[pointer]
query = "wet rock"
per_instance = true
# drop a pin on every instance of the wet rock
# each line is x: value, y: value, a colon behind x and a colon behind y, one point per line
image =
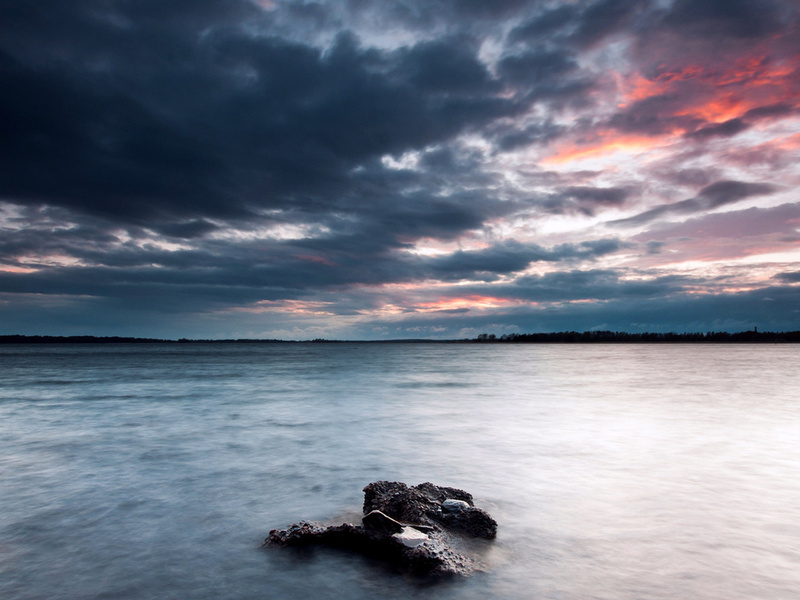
x: 424, y: 504
x: 377, y: 521
x: 414, y: 527
x: 453, y: 506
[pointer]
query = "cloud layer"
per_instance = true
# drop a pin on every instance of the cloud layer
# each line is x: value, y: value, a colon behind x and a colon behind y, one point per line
x: 363, y: 169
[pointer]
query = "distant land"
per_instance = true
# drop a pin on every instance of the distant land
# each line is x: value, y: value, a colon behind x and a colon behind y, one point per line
x: 561, y: 337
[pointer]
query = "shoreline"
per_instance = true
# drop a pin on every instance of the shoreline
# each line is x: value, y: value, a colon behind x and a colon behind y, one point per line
x: 563, y: 337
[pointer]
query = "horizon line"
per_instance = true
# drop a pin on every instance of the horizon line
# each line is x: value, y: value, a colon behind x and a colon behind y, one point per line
x: 537, y: 337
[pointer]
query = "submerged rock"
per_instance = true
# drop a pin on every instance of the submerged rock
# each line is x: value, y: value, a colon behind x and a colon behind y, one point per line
x: 414, y: 527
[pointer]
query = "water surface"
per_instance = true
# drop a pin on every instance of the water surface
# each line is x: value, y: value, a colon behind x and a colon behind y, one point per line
x: 615, y: 472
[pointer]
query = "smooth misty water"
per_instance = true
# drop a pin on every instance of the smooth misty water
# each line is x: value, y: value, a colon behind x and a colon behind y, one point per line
x: 615, y: 472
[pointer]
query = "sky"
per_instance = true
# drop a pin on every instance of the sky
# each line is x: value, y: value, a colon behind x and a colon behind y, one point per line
x: 364, y: 169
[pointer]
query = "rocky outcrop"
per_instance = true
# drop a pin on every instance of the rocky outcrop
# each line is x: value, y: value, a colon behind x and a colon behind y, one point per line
x: 414, y: 527
x: 428, y: 504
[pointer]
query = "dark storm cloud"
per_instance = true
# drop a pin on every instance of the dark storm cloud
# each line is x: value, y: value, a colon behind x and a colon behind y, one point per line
x: 219, y: 275
x: 584, y: 200
x: 95, y: 150
x: 602, y: 196
x: 725, y: 192
x: 735, y: 126
x: 576, y: 285
x: 579, y: 24
x: 534, y: 67
x: 604, y: 18
x: 545, y: 24
x: 362, y: 251
x: 444, y: 65
x: 654, y: 116
x: 791, y: 277
x: 683, y: 207
x: 546, y: 77
x: 425, y: 217
x: 183, y: 116
x: 450, y: 160
x: 744, y: 19
x: 590, y: 285
x: 186, y: 229
x: 169, y: 291
x: 511, y: 256
x: 431, y: 13
x: 712, y: 196
x: 489, y: 264
x: 542, y: 56
x: 238, y: 273
x: 726, y: 129
x: 512, y: 138
x: 770, y: 111
x: 480, y: 8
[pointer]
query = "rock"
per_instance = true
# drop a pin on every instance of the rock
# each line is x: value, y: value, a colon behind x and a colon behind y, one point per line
x: 377, y: 521
x: 409, y: 526
x: 417, y: 504
x: 423, y: 504
x: 410, y: 537
x: 453, y: 506
x: 422, y: 528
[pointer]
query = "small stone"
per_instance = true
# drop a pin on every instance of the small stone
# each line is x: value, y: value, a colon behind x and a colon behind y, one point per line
x: 453, y: 506
x: 410, y: 537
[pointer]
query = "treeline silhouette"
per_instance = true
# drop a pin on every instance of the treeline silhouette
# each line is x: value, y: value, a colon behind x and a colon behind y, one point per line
x: 622, y: 337
x: 90, y: 339
x: 562, y: 337
x: 73, y: 339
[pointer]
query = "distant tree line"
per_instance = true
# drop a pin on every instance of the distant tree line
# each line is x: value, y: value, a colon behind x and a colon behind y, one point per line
x: 563, y: 337
x: 622, y: 337
x: 91, y: 339
x: 74, y: 339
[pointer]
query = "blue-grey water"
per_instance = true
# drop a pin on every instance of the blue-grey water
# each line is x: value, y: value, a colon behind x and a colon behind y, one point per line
x: 615, y: 472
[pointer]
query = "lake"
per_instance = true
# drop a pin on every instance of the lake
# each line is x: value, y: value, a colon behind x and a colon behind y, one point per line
x: 615, y: 472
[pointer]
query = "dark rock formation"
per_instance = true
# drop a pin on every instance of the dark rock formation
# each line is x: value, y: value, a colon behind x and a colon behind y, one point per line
x: 410, y: 526
x: 423, y: 504
x: 379, y: 522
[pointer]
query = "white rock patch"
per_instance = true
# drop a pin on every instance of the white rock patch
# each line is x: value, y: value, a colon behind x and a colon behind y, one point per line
x: 410, y: 537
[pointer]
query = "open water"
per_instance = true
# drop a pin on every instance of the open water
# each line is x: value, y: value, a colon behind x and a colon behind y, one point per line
x: 615, y: 472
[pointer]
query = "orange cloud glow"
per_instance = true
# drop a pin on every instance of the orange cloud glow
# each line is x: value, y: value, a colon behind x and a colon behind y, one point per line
x: 719, y: 109
x: 13, y: 269
x: 635, y: 87
x: 609, y: 142
x: 471, y: 301
x: 723, y: 94
x: 297, y: 307
x: 791, y: 142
